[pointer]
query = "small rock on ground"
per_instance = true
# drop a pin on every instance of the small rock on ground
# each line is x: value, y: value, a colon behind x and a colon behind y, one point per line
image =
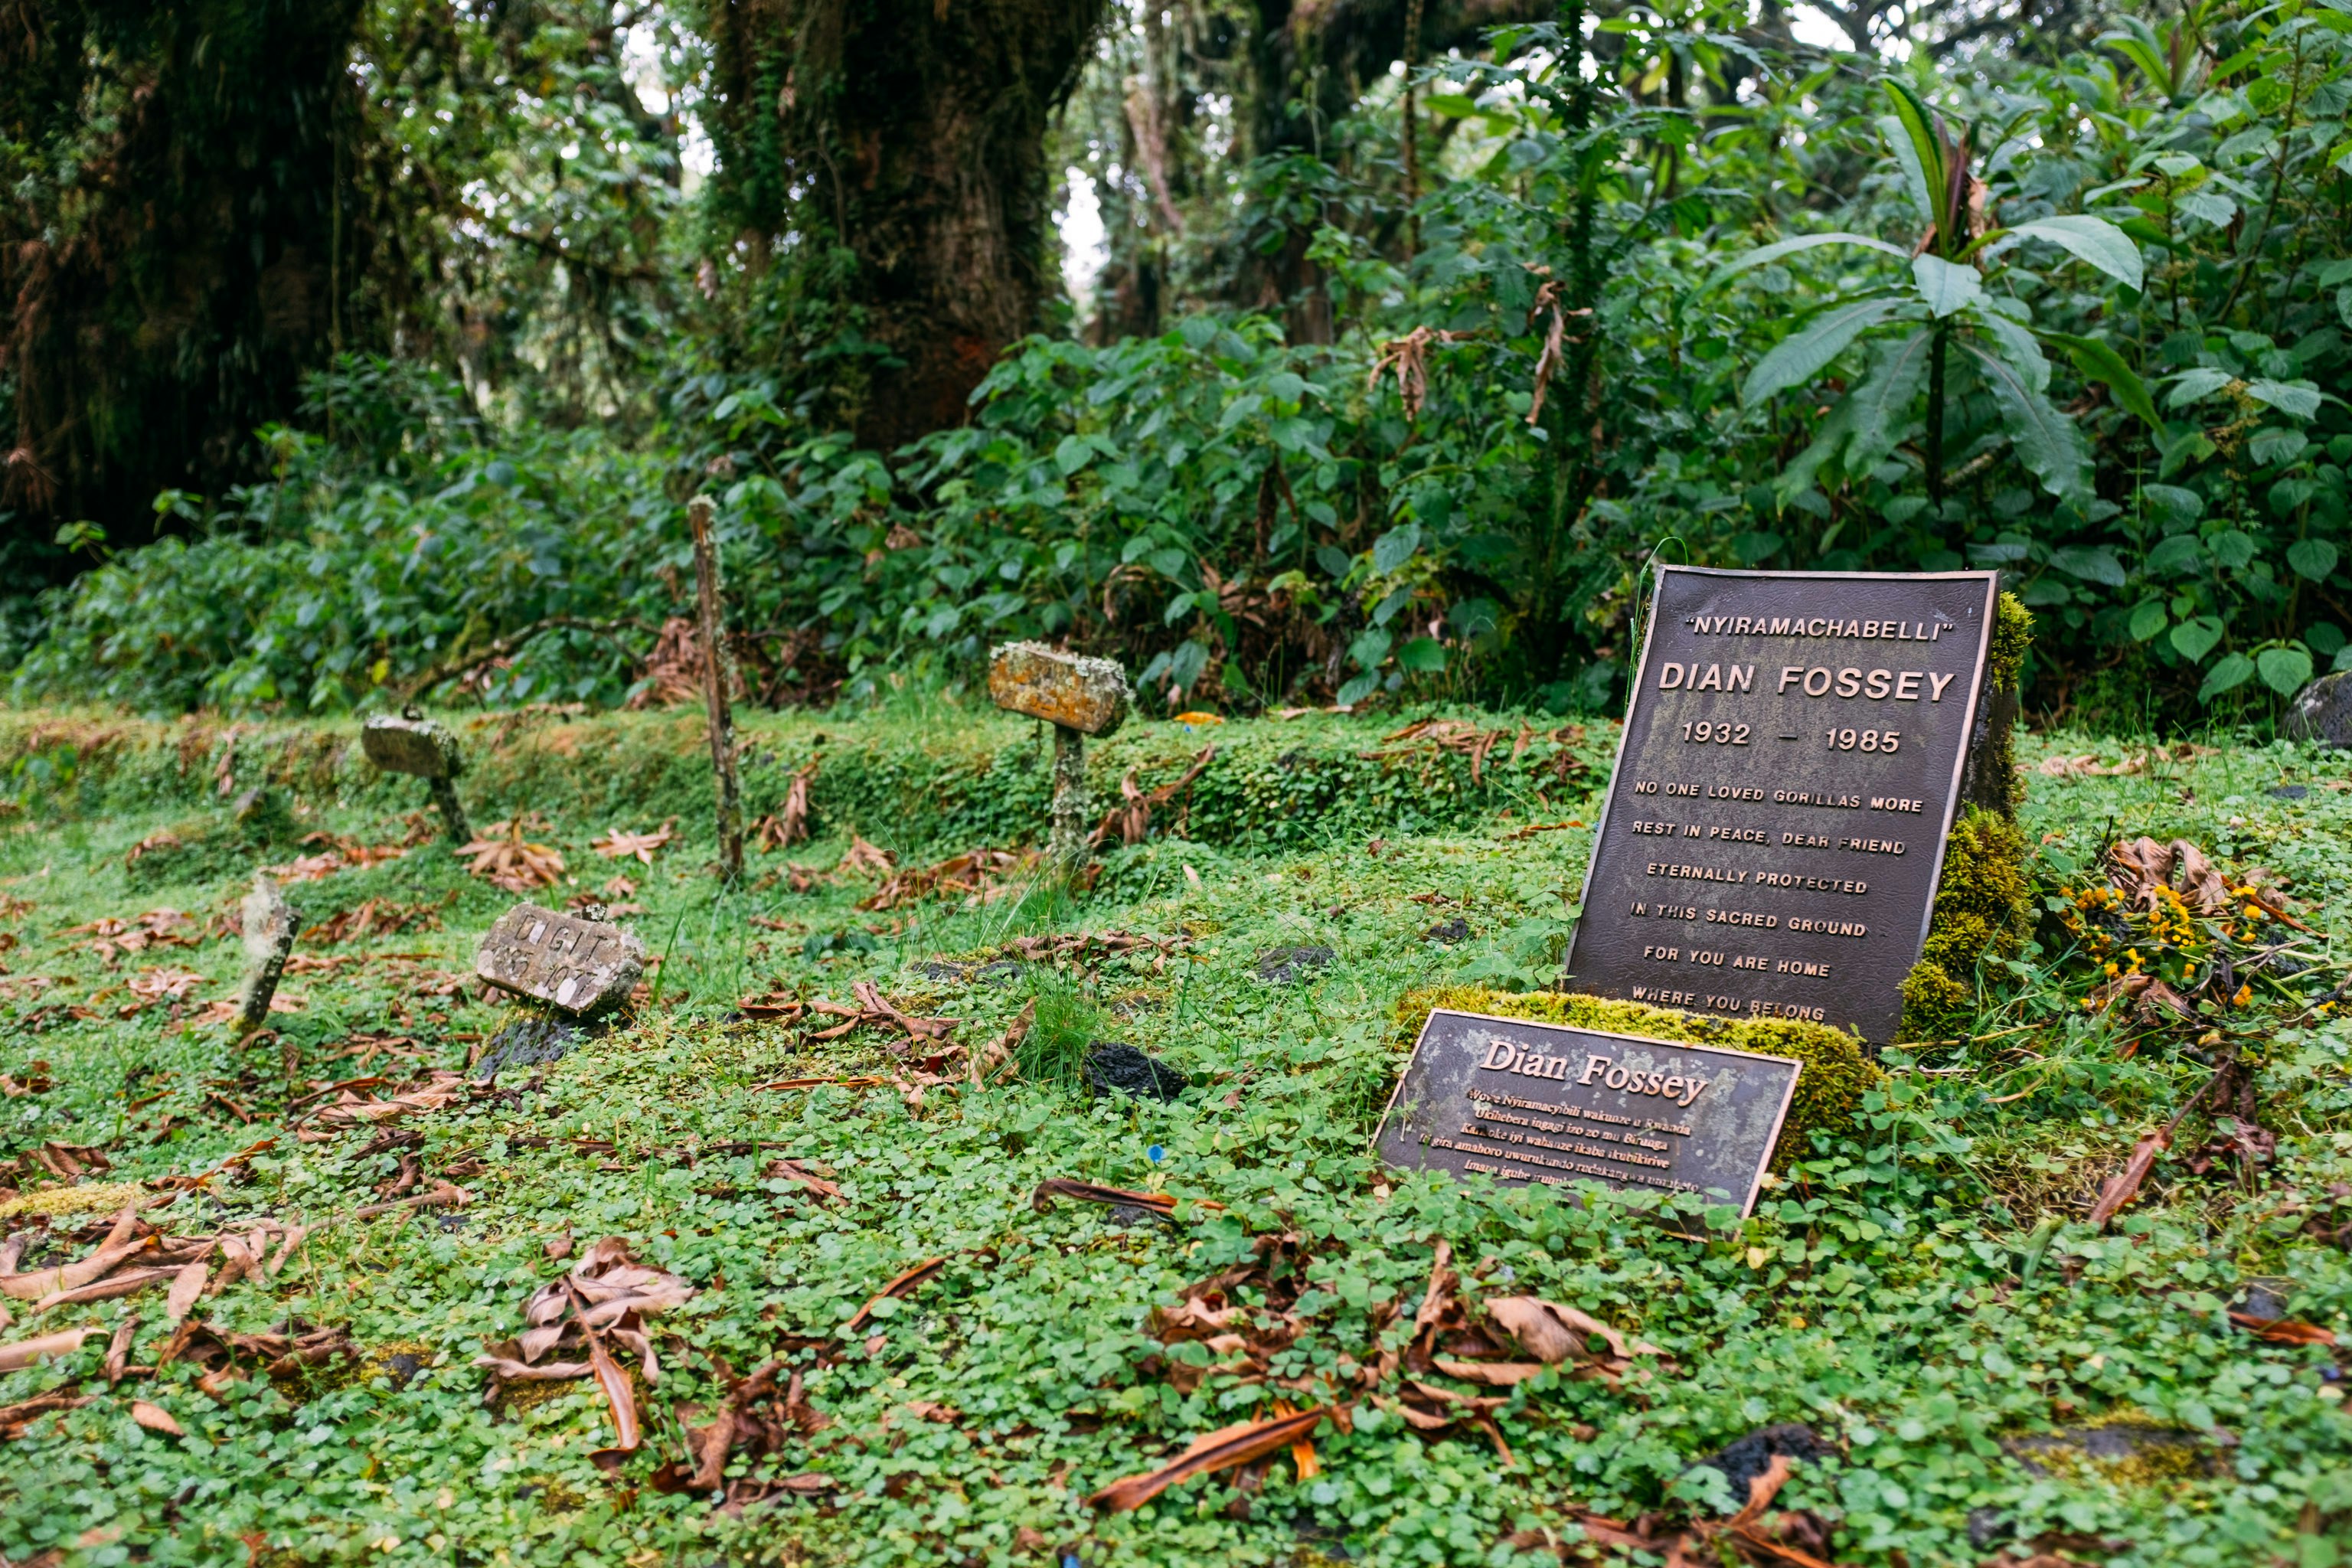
x: 1109, y: 1066
x: 1284, y: 965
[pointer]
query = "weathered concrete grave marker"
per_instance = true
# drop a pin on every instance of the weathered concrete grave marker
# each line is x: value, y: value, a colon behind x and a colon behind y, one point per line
x: 1079, y: 697
x: 1792, y: 766
x: 419, y: 747
x: 1528, y: 1102
x: 268, y: 922
x: 577, y: 965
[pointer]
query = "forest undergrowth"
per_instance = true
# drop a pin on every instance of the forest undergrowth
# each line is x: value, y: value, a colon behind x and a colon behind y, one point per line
x: 896, y: 1290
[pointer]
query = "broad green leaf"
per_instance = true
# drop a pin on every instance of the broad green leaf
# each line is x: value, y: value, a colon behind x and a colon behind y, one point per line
x: 2016, y: 343
x: 2047, y: 442
x: 1370, y: 647
x: 1239, y: 409
x: 2098, y: 361
x: 2197, y: 636
x: 2298, y: 398
x: 2233, y: 547
x: 1422, y: 656
x: 1394, y: 548
x: 2171, y: 503
x: 2092, y: 563
x: 1880, y: 408
x: 2232, y: 671
x: 1947, y: 286
x: 1766, y: 253
x: 2148, y: 620
x: 2285, y: 670
x: 1918, y: 145
x: 2192, y: 385
x: 2091, y: 239
x: 2313, y: 558
x: 2275, y: 445
x: 1829, y: 435
x: 2210, y: 207
x: 1072, y: 455
x: 1804, y: 353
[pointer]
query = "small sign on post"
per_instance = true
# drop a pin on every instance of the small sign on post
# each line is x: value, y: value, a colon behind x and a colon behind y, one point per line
x: 718, y: 681
x: 416, y: 746
x: 578, y: 965
x: 1079, y: 697
x: 1525, y: 1102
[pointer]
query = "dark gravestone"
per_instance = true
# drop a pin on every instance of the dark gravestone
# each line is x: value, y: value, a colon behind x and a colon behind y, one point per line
x: 1792, y: 765
x: 580, y: 966
x: 2322, y: 712
x: 1523, y: 1101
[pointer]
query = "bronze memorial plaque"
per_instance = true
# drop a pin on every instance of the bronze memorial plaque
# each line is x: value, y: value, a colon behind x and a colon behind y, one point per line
x: 1524, y: 1102
x: 1775, y: 827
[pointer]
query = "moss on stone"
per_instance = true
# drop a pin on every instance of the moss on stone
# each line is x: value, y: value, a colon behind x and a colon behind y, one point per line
x: 2012, y: 639
x: 1984, y: 903
x: 1984, y: 908
x: 1828, y: 1091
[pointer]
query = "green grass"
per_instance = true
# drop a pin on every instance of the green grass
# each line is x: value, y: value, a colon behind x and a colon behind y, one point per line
x: 1925, y: 1297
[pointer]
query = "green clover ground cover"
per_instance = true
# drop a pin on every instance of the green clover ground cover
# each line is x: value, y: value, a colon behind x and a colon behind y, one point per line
x: 1926, y: 1296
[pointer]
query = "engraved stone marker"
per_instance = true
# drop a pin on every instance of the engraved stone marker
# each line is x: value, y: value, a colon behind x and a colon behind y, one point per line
x: 1089, y: 695
x: 1525, y: 1101
x: 1792, y: 765
x: 269, y: 922
x: 421, y: 749
x: 1079, y: 697
x: 582, y: 966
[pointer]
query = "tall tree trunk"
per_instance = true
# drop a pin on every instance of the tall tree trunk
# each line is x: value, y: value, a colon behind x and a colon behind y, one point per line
x: 907, y: 138
x: 176, y: 309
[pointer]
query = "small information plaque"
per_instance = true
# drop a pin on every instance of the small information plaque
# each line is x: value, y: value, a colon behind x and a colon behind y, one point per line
x: 583, y: 966
x: 1775, y: 828
x: 1523, y: 1101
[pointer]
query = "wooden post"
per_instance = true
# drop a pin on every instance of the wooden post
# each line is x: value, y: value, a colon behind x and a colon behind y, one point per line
x: 1067, y: 846
x: 718, y: 672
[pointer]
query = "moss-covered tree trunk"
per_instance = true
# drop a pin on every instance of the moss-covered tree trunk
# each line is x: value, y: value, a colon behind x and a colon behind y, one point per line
x: 906, y: 139
x: 169, y: 245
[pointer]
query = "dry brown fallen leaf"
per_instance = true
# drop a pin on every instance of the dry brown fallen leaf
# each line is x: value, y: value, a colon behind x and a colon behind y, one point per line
x: 107, y: 1290
x: 620, y: 843
x: 906, y: 1282
x: 501, y: 855
x: 186, y: 1286
x: 25, y: 1352
x: 1218, y: 1450
x: 120, y: 1242
x: 155, y: 1418
x: 2125, y: 1184
x: 118, y: 1349
x: 2284, y: 1330
x: 15, y: 1419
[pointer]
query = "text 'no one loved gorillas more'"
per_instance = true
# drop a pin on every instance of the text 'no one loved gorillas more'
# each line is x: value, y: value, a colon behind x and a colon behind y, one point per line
x: 1776, y: 825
